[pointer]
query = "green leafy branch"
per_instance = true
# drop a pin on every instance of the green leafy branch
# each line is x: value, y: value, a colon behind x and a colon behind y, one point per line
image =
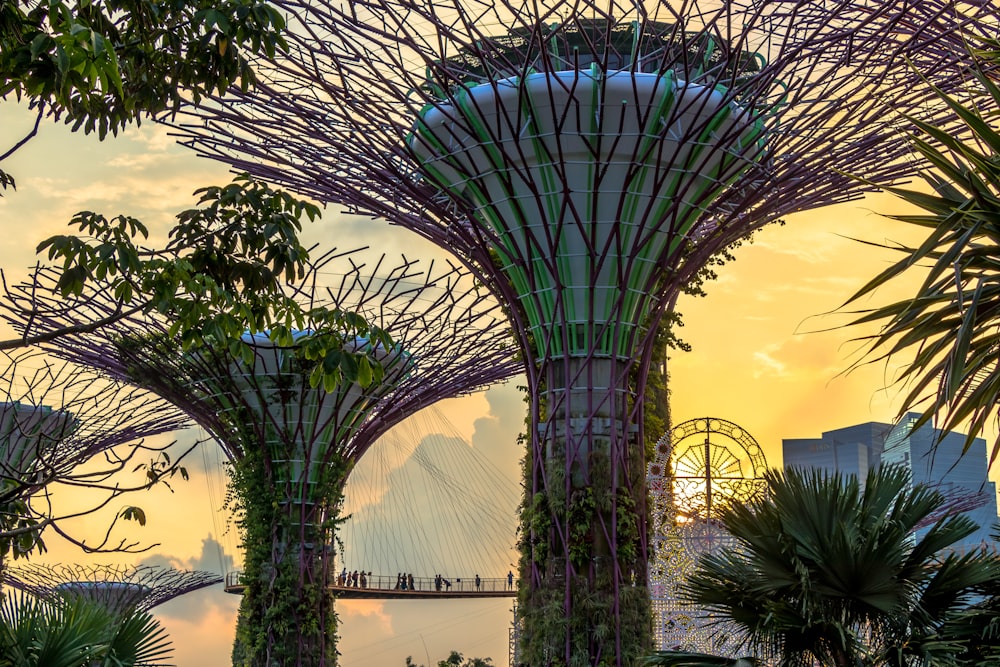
x: 223, y: 273
x: 103, y: 65
x: 951, y: 325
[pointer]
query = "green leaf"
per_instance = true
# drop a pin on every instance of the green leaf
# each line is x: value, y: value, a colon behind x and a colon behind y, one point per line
x: 134, y: 514
x: 364, y: 371
x: 947, y: 328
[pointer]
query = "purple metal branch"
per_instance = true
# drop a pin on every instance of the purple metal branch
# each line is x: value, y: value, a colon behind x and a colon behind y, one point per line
x: 449, y: 338
x: 330, y: 118
x: 54, y: 417
x: 956, y: 500
x: 121, y: 589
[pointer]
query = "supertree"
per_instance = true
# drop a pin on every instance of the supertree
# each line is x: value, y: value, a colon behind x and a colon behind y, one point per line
x: 120, y: 589
x: 63, y: 426
x: 293, y: 444
x: 587, y: 160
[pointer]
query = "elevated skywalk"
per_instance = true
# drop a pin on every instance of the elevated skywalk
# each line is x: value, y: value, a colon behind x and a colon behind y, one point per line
x: 389, y: 587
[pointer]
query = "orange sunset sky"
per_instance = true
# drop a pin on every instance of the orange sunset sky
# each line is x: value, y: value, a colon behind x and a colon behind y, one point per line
x: 764, y: 356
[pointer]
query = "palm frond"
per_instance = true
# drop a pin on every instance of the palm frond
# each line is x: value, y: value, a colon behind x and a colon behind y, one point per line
x: 825, y: 568
x: 951, y: 326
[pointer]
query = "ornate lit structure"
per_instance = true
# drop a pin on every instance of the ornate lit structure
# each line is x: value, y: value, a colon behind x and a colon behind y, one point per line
x: 699, y: 467
x: 293, y: 445
x: 120, y: 589
x: 586, y: 160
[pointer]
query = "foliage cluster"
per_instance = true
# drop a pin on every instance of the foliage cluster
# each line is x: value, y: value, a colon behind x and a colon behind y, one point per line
x: 20, y: 532
x: 454, y: 659
x: 104, y: 65
x: 223, y: 273
x: 949, y: 326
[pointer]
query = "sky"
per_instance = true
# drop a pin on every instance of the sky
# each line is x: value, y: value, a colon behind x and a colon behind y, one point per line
x: 766, y: 355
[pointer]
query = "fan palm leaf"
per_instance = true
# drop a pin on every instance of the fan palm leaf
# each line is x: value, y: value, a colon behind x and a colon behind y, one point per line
x: 36, y: 633
x: 77, y: 632
x: 978, y: 627
x: 827, y: 569
x: 138, y: 640
x: 688, y: 659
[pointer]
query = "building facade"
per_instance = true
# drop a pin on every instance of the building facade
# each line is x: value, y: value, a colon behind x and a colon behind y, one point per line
x: 932, y: 458
x: 853, y: 450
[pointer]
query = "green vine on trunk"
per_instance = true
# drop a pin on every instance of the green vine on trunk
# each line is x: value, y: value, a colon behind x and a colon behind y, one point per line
x: 285, y: 618
x: 582, y: 514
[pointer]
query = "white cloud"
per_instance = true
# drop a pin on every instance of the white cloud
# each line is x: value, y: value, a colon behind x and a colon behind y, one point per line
x: 201, y: 603
x: 765, y: 364
x: 369, y: 612
x: 136, y: 162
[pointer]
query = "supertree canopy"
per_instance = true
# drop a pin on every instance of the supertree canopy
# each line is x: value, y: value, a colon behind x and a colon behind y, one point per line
x: 122, y: 590
x: 293, y: 444
x: 65, y: 426
x: 586, y: 160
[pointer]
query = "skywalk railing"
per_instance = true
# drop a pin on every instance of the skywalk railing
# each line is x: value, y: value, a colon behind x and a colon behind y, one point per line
x: 416, y: 585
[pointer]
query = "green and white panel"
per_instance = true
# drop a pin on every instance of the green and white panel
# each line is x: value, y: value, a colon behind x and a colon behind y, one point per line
x: 27, y: 433
x: 589, y: 180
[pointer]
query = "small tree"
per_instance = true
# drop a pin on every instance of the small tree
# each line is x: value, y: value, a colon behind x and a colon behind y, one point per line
x: 454, y: 659
x: 222, y: 274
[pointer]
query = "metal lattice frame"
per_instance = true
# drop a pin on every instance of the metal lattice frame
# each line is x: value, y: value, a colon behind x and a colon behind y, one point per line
x: 121, y: 589
x: 586, y: 160
x: 54, y: 418
x: 699, y: 467
x: 450, y: 339
x: 513, y: 638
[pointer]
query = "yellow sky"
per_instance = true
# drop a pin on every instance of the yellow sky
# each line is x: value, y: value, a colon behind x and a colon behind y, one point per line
x: 754, y: 362
x: 768, y: 354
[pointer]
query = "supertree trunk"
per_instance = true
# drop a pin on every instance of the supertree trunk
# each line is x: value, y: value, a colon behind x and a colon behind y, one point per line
x: 287, y: 614
x: 289, y: 491
x: 585, y: 567
x: 587, y: 160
